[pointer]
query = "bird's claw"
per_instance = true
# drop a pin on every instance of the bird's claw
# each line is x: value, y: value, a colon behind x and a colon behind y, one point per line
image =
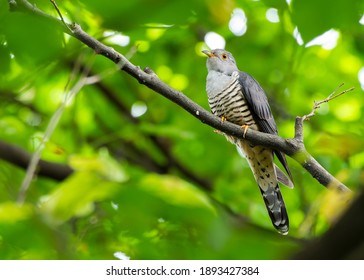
x: 223, y: 119
x: 245, y: 127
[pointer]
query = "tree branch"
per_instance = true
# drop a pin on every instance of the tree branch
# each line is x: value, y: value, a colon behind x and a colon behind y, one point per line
x: 20, y: 157
x: 326, y: 100
x: 292, y: 147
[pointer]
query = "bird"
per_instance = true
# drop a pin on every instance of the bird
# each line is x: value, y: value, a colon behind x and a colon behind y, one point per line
x: 235, y: 96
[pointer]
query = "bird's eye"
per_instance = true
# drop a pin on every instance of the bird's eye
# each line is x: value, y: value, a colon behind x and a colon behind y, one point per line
x: 224, y: 56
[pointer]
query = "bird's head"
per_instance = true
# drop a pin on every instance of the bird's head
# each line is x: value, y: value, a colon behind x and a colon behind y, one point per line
x: 221, y: 61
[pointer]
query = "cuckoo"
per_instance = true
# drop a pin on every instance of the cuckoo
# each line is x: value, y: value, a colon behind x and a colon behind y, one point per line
x: 237, y: 97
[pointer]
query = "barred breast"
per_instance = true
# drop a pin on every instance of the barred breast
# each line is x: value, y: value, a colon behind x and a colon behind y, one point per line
x: 231, y: 104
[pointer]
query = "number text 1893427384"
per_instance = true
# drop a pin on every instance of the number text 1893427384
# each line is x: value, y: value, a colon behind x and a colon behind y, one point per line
x: 232, y: 270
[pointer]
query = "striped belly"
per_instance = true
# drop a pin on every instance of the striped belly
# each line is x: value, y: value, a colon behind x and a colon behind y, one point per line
x: 231, y: 104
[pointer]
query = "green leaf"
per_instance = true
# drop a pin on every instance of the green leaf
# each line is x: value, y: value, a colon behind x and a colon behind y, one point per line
x: 163, y: 12
x: 11, y: 212
x: 314, y: 17
x: 76, y: 196
x: 32, y: 40
x: 176, y: 191
x: 102, y: 164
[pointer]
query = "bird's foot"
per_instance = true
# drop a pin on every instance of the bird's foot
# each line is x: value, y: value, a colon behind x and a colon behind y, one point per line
x: 245, y: 127
x: 223, y: 119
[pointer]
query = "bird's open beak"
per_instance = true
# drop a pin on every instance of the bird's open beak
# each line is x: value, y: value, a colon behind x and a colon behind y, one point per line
x: 208, y: 53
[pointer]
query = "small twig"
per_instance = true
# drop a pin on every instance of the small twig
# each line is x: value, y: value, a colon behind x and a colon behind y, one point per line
x: 299, y: 120
x: 36, y: 157
x: 60, y: 14
x: 57, y: 9
x: 326, y: 100
x: 309, y: 163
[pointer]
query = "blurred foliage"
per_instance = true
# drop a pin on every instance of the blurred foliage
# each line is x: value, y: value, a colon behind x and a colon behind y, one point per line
x: 143, y: 166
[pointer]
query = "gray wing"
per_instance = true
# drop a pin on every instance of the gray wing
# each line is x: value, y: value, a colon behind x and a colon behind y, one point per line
x: 258, y: 103
x: 259, y: 106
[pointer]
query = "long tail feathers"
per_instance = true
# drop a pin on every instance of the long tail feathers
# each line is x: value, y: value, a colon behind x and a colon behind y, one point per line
x: 276, y: 209
x: 282, y: 158
x: 267, y: 176
x: 281, y: 177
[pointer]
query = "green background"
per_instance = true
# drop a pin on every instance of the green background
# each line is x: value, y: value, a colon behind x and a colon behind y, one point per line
x: 164, y: 185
